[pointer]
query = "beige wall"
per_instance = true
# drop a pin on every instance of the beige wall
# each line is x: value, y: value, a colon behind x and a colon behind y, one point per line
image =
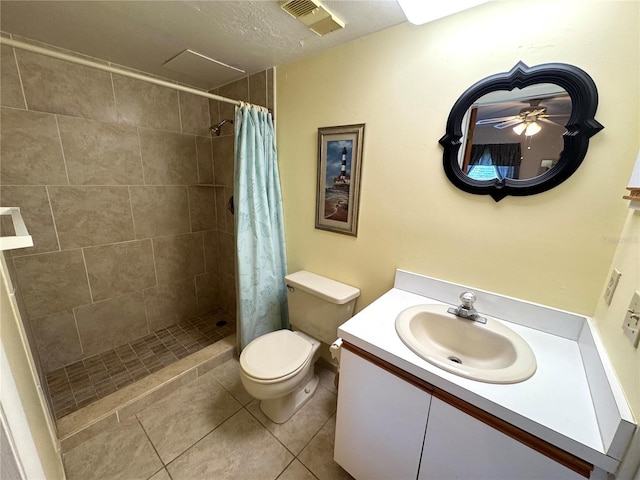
x: 624, y: 357
x: 553, y: 248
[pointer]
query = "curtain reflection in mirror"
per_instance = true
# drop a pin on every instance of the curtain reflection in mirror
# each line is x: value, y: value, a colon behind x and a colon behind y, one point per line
x: 494, y: 161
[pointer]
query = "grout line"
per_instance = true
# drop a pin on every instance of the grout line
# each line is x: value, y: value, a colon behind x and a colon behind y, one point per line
x: 180, y: 112
x: 64, y: 159
x: 144, y: 181
x: 24, y: 95
x: 133, y: 221
x: 86, y: 272
x: 197, y: 161
x: 75, y: 321
x: 150, y: 442
x: 113, y: 90
x: 189, y: 209
x: 53, y: 219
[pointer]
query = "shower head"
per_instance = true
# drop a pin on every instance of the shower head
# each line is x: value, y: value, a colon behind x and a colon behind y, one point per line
x: 217, y: 129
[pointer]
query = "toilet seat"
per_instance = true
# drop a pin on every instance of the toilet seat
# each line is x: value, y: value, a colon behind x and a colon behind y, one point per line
x: 276, y: 356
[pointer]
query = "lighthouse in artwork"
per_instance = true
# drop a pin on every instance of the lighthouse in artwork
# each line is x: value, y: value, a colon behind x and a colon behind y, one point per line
x: 342, y: 182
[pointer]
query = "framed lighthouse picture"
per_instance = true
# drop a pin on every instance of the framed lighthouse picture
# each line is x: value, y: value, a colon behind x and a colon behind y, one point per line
x: 339, y: 167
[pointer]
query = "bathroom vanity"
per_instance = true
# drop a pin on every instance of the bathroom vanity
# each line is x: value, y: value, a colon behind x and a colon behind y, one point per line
x: 402, y: 417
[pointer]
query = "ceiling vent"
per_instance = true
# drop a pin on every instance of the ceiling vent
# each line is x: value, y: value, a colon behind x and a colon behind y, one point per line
x: 313, y: 14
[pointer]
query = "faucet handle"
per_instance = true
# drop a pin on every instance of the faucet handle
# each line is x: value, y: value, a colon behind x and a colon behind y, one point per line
x: 467, y: 299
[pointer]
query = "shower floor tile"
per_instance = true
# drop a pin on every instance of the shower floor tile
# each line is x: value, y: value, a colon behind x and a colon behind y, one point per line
x: 78, y: 384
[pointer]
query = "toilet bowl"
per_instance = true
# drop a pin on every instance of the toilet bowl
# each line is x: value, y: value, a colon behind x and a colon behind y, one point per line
x: 278, y: 368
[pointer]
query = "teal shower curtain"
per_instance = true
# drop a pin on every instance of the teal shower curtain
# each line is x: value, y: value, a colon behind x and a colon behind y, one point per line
x: 260, y: 248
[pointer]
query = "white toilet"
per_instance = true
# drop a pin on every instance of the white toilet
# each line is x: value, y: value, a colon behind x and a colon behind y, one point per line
x: 277, y: 368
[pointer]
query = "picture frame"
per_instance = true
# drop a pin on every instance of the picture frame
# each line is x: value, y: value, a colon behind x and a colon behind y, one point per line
x: 338, y: 185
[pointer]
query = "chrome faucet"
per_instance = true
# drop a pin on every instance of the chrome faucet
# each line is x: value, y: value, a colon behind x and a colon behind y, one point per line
x: 466, y: 310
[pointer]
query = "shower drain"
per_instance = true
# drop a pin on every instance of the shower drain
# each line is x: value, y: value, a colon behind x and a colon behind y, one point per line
x: 454, y: 359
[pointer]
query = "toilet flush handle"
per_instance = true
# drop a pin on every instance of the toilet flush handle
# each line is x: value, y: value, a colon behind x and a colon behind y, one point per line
x: 291, y: 289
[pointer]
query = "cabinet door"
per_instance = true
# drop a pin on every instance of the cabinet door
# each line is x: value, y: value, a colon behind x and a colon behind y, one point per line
x: 380, y: 422
x: 459, y: 446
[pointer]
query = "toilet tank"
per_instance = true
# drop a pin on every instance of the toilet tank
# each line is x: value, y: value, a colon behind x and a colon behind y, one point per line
x: 319, y: 305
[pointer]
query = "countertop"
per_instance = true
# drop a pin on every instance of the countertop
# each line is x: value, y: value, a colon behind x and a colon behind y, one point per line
x: 555, y: 404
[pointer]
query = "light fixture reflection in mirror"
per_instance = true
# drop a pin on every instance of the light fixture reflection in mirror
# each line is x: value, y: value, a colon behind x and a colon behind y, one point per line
x: 506, y: 122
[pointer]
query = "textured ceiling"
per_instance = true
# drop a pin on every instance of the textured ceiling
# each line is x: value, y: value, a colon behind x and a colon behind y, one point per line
x: 249, y: 35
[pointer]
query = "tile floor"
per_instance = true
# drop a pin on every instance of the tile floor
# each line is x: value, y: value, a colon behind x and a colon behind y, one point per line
x: 81, y: 383
x: 212, y: 429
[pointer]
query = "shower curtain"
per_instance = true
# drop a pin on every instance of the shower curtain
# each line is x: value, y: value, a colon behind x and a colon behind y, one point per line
x: 260, y: 248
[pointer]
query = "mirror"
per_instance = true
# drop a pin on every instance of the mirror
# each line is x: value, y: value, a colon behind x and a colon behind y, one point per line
x: 521, y: 132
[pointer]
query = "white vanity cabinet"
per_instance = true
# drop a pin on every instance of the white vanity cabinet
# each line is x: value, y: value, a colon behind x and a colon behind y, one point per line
x: 390, y: 426
x: 457, y: 445
x: 380, y: 422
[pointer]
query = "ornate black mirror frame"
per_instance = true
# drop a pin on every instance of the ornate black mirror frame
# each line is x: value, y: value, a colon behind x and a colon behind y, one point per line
x: 580, y: 127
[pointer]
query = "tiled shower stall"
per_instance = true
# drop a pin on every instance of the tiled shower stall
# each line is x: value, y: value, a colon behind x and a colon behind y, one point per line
x: 125, y: 193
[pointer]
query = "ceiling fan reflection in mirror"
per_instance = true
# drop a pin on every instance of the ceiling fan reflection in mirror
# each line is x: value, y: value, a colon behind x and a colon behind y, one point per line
x: 526, y: 121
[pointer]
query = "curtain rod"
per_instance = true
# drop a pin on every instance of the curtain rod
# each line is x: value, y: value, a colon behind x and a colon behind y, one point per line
x: 119, y: 71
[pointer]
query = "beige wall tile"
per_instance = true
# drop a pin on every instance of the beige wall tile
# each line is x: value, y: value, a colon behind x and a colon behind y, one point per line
x: 11, y: 91
x: 170, y: 303
x: 202, y: 206
x: 179, y: 256
x: 36, y: 212
x: 56, y: 86
x: 146, y: 105
x: 120, y: 268
x: 211, y: 250
x: 107, y: 324
x: 223, y: 160
x: 52, y: 282
x: 194, y: 113
x: 226, y: 253
x: 30, y: 149
x: 168, y: 158
x: 221, y: 206
x: 87, y: 216
x: 258, y: 88
x: 238, y: 90
x: 224, y: 218
x: 159, y: 211
x: 214, y: 109
x: 100, y: 153
x: 228, y: 293
x: 208, y: 292
x: 205, y: 159
x: 57, y: 340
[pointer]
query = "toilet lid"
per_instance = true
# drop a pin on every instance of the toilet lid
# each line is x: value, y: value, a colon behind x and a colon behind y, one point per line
x: 274, y: 355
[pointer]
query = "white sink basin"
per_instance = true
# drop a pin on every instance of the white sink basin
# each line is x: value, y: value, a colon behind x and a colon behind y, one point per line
x: 490, y: 352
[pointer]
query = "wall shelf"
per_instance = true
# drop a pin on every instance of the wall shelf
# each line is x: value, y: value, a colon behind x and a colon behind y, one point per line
x: 22, y: 238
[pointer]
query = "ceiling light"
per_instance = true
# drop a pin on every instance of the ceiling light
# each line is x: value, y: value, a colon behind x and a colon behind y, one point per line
x: 419, y: 11
x: 532, y: 129
x: 520, y: 128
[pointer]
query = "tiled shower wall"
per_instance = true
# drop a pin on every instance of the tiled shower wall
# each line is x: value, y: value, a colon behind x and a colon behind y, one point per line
x: 124, y: 191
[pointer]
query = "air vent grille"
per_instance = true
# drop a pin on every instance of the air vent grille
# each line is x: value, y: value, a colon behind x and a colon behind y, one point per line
x: 299, y: 8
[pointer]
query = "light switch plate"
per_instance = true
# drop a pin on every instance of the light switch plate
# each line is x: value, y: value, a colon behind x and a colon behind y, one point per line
x: 631, y: 324
x: 611, y: 285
